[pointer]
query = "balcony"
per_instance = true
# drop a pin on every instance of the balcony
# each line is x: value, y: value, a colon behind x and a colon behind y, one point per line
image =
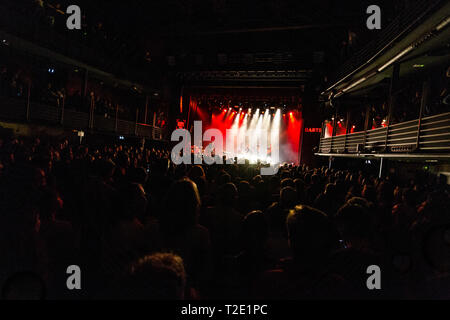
x: 428, y: 137
x: 21, y: 111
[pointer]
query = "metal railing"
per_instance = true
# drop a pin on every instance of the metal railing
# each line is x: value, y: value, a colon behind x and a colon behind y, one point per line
x: 18, y: 110
x: 430, y: 134
x: 399, y: 25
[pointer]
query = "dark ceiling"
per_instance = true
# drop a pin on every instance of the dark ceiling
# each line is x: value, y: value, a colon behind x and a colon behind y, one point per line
x: 145, y: 40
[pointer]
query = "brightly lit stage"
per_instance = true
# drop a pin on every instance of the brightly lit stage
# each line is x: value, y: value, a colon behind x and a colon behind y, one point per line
x: 281, y: 126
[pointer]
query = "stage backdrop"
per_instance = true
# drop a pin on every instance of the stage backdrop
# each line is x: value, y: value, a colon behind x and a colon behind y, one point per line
x: 289, y: 124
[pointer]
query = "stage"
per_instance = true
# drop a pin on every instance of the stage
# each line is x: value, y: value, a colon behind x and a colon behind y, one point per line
x: 265, y: 132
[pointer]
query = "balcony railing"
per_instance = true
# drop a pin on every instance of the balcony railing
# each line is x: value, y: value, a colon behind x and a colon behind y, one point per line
x: 17, y: 110
x: 429, y: 134
x: 388, y: 34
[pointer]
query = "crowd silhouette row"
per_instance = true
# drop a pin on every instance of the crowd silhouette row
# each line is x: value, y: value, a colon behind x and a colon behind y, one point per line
x: 139, y: 226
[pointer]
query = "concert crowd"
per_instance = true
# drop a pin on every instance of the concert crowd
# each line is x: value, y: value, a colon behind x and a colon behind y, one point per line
x: 140, y: 227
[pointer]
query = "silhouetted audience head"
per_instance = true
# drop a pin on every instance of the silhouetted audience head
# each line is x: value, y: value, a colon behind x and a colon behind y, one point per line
x: 137, y: 175
x: 159, y: 276
x: 49, y: 205
x: 311, y: 234
x: 409, y: 197
x: 24, y: 286
x: 288, y: 197
x: 369, y: 193
x: 182, y: 206
x: 134, y: 202
x: 330, y: 190
x: 385, y: 193
x: 228, y: 194
x: 196, y: 172
x: 436, y: 247
x: 223, y: 179
x: 123, y: 159
x: 256, y: 179
x: 105, y: 168
x: 287, y: 182
x: 354, y: 224
x: 254, y: 231
x: 244, y: 189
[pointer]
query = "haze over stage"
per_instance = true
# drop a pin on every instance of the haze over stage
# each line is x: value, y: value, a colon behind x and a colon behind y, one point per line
x: 265, y: 134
